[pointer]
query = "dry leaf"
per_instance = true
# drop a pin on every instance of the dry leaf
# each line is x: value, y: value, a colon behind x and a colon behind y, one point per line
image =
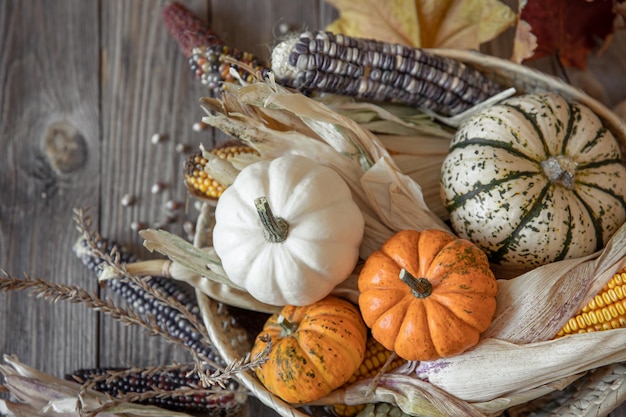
x: 392, y: 21
x: 461, y: 24
x: 458, y: 24
x: 570, y: 29
x: 524, y: 43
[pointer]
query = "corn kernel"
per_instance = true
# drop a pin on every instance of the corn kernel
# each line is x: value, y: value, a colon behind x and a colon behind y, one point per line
x: 376, y: 357
x: 606, y: 311
x: 201, y: 184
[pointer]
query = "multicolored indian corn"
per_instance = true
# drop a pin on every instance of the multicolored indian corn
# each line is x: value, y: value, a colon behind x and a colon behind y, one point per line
x: 606, y: 311
x: 201, y: 184
x: 369, y: 69
x: 212, y: 65
x: 119, y: 382
x: 334, y: 63
x: 143, y: 303
x: 209, y: 59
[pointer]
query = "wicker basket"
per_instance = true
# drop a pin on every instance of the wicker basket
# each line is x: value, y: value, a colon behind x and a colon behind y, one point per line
x: 596, y: 394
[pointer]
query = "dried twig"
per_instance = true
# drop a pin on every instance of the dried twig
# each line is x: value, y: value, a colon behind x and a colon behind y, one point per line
x: 53, y: 292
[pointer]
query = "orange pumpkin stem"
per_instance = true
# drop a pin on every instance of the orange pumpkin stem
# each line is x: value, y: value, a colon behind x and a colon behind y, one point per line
x: 287, y: 327
x: 420, y: 287
x: 275, y: 228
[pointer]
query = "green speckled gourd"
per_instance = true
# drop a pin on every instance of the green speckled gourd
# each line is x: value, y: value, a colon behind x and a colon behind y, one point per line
x: 534, y: 180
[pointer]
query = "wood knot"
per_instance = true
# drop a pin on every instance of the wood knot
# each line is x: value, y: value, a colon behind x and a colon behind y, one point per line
x: 65, y: 147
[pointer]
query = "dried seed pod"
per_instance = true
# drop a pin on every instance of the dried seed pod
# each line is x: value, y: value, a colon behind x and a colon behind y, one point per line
x: 379, y: 71
x: 198, y: 182
x: 119, y: 382
x: 144, y: 303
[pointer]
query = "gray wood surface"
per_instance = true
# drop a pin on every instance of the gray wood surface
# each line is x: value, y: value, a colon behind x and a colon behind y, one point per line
x: 84, y: 85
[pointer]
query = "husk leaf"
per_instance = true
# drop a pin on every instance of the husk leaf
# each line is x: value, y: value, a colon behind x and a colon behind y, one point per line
x: 40, y: 394
x: 496, y: 368
x: 415, y: 397
x: 537, y: 304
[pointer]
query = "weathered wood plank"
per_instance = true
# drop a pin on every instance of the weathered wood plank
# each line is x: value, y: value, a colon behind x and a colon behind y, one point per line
x: 49, y: 136
x: 147, y: 89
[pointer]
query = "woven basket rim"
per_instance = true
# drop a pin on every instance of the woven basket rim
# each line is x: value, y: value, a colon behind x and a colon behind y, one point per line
x: 525, y: 80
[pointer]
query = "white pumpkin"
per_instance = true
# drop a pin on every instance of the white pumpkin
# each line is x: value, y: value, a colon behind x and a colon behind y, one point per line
x: 534, y: 180
x: 288, y: 230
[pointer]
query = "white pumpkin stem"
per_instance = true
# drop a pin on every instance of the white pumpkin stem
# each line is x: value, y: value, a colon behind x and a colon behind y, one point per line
x: 560, y: 170
x: 420, y: 287
x: 276, y: 229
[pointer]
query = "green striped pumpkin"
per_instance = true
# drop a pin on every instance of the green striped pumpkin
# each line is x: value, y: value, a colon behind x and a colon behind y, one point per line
x: 534, y: 180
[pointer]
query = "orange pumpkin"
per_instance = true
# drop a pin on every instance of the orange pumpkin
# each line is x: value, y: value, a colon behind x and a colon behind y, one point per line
x: 315, y: 349
x: 427, y: 295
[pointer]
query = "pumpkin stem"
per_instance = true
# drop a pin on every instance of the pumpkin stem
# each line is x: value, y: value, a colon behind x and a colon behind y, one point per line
x: 288, y: 328
x: 560, y: 170
x: 420, y: 287
x: 276, y: 229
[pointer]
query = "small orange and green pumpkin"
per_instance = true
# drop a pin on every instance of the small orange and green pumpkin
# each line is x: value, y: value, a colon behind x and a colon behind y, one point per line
x: 427, y: 295
x: 314, y: 349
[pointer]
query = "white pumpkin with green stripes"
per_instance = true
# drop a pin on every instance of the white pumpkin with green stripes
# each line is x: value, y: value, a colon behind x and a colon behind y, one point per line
x: 534, y: 180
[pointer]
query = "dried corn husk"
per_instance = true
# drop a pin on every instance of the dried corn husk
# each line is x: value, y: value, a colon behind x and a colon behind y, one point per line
x: 258, y: 116
x: 40, y: 394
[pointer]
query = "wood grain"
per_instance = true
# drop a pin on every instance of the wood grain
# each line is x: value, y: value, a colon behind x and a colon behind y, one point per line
x: 84, y: 85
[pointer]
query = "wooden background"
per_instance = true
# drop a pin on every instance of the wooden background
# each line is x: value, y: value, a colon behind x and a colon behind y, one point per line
x: 84, y: 85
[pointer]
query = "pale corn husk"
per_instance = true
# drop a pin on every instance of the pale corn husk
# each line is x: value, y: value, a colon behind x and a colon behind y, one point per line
x: 38, y: 394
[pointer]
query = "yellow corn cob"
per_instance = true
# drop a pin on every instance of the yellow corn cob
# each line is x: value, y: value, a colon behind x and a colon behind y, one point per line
x: 376, y: 357
x: 606, y: 311
x: 201, y: 184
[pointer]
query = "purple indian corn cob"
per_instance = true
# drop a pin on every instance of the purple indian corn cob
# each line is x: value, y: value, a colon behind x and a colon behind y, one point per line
x: 119, y: 382
x: 379, y: 71
x: 334, y: 63
x: 144, y: 303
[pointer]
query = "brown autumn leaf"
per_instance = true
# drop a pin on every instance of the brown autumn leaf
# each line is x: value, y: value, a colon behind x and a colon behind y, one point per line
x: 569, y: 29
x: 458, y: 24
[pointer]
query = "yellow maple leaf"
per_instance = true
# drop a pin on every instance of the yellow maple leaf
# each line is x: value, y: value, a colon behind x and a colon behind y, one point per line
x: 393, y: 21
x: 458, y: 24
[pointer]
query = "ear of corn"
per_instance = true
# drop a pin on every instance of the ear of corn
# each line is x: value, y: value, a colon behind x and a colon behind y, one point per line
x: 119, y: 382
x: 199, y: 183
x: 209, y: 59
x: 334, y: 63
x: 143, y: 303
x: 376, y: 357
x: 188, y: 30
x: 606, y: 311
x: 379, y: 71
